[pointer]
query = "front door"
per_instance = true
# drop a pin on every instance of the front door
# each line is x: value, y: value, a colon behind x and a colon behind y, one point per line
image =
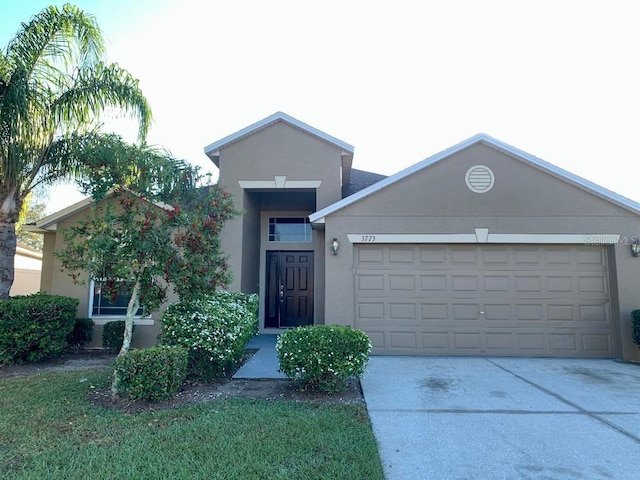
x: 289, y: 293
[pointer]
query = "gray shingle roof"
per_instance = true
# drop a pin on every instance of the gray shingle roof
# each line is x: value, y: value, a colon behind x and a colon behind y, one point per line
x: 360, y: 180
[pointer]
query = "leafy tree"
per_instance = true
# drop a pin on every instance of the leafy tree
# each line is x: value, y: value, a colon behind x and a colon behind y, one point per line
x: 155, y: 223
x: 33, y: 208
x: 53, y: 83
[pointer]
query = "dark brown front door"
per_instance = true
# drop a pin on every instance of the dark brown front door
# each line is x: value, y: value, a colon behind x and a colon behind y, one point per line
x: 289, y: 295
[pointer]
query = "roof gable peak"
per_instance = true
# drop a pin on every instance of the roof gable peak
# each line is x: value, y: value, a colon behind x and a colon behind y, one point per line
x: 213, y: 150
x: 490, y: 141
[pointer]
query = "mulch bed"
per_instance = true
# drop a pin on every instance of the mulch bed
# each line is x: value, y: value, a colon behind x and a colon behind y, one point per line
x: 262, y: 389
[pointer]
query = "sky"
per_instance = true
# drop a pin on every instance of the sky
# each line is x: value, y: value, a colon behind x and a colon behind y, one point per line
x: 400, y: 80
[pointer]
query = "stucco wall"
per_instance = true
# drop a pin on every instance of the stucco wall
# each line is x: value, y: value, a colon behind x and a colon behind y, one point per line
x: 524, y: 199
x: 277, y: 150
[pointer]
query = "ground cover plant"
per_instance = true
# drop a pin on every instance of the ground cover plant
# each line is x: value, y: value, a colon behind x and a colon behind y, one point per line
x: 51, y: 430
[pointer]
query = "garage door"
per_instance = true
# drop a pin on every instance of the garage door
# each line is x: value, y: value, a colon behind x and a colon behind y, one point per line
x: 502, y: 300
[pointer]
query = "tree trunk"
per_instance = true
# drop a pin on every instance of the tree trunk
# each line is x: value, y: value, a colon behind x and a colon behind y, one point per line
x: 132, y: 308
x: 7, y: 255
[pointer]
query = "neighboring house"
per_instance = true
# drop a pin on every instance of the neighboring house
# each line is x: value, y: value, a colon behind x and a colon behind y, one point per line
x: 27, y: 266
x: 481, y: 249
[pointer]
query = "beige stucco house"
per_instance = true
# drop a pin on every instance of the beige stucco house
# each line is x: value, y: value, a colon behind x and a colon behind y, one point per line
x: 482, y: 249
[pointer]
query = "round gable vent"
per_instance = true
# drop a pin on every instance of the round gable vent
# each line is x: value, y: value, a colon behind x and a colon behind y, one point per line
x: 479, y: 179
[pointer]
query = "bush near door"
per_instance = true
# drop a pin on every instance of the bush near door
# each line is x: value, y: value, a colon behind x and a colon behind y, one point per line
x: 215, y: 329
x: 323, y: 356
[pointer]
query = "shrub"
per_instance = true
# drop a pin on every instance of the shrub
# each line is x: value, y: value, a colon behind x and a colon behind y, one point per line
x: 113, y: 335
x: 152, y: 373
x: 323, y: 356
x: 635, y: 326
x: 81, y: 334
x: 215, y: 330
x: 34, y: 326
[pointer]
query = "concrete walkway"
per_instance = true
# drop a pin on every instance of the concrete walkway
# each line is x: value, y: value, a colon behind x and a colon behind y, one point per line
x: 263, y: 363
x: 505, y: 418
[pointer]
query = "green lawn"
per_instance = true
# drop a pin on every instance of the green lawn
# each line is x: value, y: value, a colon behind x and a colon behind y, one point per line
x: 49, y: 430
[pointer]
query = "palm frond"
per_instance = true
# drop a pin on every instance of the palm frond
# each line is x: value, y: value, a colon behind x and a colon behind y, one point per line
x: 100, y: 87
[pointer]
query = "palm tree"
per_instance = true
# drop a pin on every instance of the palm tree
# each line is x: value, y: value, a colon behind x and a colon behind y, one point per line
x: 53, y: 87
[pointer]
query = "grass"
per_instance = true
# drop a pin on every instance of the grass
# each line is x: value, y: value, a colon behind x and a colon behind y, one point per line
x: 49, y: 429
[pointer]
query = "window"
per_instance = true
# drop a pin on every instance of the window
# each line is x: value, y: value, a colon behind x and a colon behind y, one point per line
x: 108, y: 305
x: 289, y: 229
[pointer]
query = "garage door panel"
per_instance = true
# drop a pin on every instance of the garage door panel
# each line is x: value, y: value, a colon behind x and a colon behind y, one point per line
x: 595, y: 313
x: 496, y: 256
x: 371, y: 283
x: 525, y: 313
x: 563, y: 342
x: 464, y: 283
x: 436, y: 341
x: 432, y: 312
x: 496, y: 284
x: 529, y: 284
x: 592, y: 285
x: 402, y: 256
x: 559, y: 256
x: 368, y: 312
x: 431, y: 255
x: 402, y: 283
x: 596, y: 343
x: 499, y: 341
x: 531, y: 343
x: 589, y: 257
x: 403, y: 340
x: 433, y: 283
x: 559, y: 284
x: 498, y: 312
x: 369, y: 256
x: 561, y: 313
x: 464, y: 311
x: 403, y: 313
x: 526, y: 257
x: 484, y: 300
x: 464, y: 256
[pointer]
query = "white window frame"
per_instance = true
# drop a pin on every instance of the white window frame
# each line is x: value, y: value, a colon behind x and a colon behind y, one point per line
x: 102, y: 319
x: 305, y: 222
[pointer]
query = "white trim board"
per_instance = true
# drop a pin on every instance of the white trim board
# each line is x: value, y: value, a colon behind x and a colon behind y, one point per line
x: 482, y: 236
x: 279, y: 182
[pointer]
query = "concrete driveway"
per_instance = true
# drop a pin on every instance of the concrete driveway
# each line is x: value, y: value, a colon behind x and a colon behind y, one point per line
x: 505, y: 418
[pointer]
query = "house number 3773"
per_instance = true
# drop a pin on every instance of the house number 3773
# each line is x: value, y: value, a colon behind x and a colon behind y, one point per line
x: 368, y: 238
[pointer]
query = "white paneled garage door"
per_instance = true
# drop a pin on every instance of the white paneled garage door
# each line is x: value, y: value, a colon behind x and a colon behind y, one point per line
x: 523, y: 300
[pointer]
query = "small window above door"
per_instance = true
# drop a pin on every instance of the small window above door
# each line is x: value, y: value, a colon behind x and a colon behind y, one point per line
x: 289, y: 229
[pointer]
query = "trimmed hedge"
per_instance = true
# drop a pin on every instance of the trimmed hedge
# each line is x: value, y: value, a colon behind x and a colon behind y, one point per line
x: 215, y: 329
x: 81, y: 334
x: 113, y: 335
x: 635, y: 326
x: 323, y: 357
x: 35, y: 326
x: 152, y: 373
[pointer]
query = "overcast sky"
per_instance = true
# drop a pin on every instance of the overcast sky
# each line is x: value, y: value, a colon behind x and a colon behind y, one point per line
x: 399, y: 80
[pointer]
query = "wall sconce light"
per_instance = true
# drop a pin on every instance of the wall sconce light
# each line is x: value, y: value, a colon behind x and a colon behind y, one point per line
x: 635, y: 248
x: 335, y: 246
